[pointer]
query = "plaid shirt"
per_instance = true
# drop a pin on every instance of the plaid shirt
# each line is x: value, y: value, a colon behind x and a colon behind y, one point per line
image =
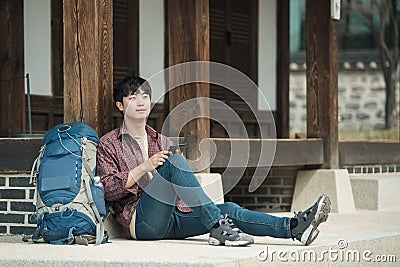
x: 117, y: 154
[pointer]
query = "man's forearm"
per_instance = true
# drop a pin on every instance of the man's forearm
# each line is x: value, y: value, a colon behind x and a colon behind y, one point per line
x: 137, y: 173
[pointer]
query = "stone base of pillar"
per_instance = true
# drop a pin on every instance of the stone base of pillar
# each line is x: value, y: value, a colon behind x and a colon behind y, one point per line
x: 310, y: 184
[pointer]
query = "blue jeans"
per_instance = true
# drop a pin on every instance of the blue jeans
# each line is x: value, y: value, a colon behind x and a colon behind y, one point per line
x: 158, y: 218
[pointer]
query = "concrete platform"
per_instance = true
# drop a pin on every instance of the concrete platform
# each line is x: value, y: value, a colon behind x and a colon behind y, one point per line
x: 368, y: 234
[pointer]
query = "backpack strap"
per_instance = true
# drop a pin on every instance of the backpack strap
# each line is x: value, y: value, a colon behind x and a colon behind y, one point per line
x: 35, y: 171
x: 99, y: 221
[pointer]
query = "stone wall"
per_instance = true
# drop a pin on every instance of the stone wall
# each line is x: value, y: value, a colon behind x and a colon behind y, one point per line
x: 274, y: 195
x: 361, y: 100
x: 16, y: 206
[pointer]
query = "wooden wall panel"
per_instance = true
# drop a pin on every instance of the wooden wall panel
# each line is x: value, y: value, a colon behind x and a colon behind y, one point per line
x: 12, y: 84
x: 282, y: 69
x: 126, y: 38
x: 234, y: 42
x: 57, y: 42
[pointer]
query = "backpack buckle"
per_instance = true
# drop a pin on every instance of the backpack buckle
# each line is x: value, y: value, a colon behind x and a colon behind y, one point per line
x: 80, y: 240
x: 63, y: 128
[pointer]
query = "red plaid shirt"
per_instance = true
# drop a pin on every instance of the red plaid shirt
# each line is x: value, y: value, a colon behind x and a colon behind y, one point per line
x: 117, y: 154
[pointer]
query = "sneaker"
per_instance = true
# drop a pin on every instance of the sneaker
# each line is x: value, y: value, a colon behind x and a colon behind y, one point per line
x: 226, y: 233
x: 307, y: 222
x: 247, y: 237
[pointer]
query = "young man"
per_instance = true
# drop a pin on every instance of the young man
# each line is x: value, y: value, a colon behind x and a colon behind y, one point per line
x: 155, y: 194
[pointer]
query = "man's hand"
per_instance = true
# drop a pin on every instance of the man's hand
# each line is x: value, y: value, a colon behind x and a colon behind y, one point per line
x: 158, y: 159
x: 149, y: 165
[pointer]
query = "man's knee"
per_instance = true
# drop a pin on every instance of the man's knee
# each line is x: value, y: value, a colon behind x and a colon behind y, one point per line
x: 230, y: 206
x: 180, y: 162
x: 177, y: 158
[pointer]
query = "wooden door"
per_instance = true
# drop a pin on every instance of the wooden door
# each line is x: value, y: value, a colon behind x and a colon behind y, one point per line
x: 12, y: 83
x: 126, y: 38
x: 233, y: 41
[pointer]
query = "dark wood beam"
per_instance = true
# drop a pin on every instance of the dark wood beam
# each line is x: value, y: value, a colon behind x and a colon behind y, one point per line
x: 18, y: 154
x: 88, y: 32
x: 282, y: 68
x: 322, y: 79
x: 369, y: 153
x: 188, y: 40
x: 286, y: 153
x: 12, y: 83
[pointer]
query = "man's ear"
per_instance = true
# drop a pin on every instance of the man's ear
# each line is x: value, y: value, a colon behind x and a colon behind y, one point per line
x: 120, y: 106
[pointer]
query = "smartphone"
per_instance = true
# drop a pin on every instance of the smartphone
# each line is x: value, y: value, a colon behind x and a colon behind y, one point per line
x: 173, y: 148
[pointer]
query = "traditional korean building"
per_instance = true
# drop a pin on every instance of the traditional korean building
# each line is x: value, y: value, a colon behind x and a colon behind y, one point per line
x: 75, y: 51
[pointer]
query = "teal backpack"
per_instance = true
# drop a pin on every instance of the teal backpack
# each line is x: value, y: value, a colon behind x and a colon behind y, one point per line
x: 69, y: 199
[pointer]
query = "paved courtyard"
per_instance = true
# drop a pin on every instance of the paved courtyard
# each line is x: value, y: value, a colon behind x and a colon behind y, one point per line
x: 345, y: 239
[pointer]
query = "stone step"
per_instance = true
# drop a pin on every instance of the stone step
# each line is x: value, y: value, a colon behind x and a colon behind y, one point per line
x: 367, y: 234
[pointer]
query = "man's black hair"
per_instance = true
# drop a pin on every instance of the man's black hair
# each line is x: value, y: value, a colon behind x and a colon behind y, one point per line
x: 130, y: 85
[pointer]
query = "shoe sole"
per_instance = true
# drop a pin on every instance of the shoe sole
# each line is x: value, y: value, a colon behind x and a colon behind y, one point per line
x: 215, y: 242
x: 321, y: 215
x: 247, y: 238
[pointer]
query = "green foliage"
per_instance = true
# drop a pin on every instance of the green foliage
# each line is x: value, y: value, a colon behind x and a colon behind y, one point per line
x: 361, y: 20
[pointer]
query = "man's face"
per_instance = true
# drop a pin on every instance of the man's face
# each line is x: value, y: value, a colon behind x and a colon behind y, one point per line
x: 135, y: 106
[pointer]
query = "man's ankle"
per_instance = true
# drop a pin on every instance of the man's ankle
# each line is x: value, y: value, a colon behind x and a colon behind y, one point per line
x: 293, y: 224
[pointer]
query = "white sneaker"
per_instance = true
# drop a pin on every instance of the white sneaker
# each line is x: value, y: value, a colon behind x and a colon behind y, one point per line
x: 307, y: 221
x: 227, y: 234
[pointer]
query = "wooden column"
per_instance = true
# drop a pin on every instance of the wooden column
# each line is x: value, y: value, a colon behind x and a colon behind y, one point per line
x: 88, y: 62
x: 282, y: 67
x: 188, y: 40
x: 12, y: 84
x: 322, y: 79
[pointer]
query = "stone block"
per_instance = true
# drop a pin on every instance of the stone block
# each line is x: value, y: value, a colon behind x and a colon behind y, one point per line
x: 310, y: 184
x: 376, y: 191
x: 212, y: 186
x: 113, y: 227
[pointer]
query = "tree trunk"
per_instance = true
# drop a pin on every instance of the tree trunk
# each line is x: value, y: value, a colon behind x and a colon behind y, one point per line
x: 390, y: 74
x: 389, y: 61
x: 391, y: 79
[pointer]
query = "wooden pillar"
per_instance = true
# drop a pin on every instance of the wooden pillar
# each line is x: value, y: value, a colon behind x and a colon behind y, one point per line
x: 282, y: 74
x: 188, y: 40
x: 322, y: 79
x: 88, y: 62
x: 12, y: 83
